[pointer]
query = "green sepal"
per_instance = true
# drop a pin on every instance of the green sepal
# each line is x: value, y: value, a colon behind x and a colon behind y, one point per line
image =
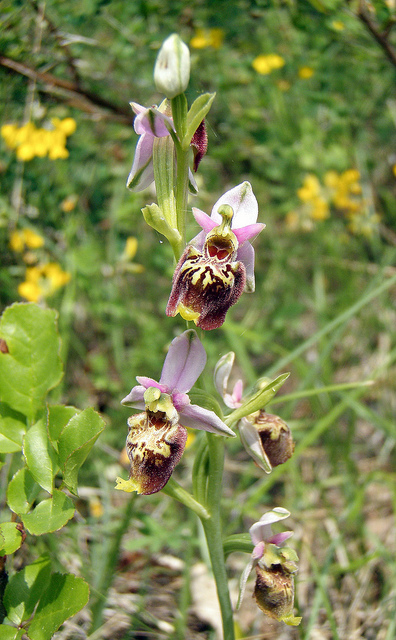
x: 155, y: 219
x: 258, y: 401
x: 197, y: 112
x: 239, y: 542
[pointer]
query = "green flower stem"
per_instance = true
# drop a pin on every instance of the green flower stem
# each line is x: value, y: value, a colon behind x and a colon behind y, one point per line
x: 212, y: 528
x: 174, y: 490
x: 179, y: 115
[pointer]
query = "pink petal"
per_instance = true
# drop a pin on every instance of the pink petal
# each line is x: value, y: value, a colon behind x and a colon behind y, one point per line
x: 142, y: 172
x: 135, y: 398
x: 184, y: 362
x: 245, y: 254
x: 243, y: 201
x: 248, y: 232
x: 196, y: 417
x: 203, y: 220
x: 152, y: 122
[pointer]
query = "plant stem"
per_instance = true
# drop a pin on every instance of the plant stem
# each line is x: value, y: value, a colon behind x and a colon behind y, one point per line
x: 174, y: 490
x: 179, y: 115
x: 212, y: 528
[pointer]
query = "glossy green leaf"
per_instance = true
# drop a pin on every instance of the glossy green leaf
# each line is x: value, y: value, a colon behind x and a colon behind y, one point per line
x: 197, y: 112
x: 75, y: 443
x: 22, y: 491
x: 10, y: 633
x: 64, y: 597
x: 40, y: 455
x: 58, y: 417
x: 32, y: 365
x: 49, y: 515
x: 25, y: 589
x: 258, y: 401
x: 12, y: 428
x: 10, y: 538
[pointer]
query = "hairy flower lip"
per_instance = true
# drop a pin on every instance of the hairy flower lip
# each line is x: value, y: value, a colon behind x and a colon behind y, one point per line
x: 183, y: 365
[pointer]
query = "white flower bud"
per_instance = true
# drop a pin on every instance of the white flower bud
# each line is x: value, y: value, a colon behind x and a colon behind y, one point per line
x: 172, y: 67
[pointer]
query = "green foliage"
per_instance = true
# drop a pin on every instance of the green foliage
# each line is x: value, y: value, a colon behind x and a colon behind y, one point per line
x: 51, y: 597
x: 55, y: 441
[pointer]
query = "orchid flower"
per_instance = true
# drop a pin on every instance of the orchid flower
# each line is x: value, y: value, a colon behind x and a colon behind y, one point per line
x: 221, y: 374
x: 275, y: 566
x: 157, y: 437
x: 218, y: 264
x: 266, y: 437
x: 150, y: 123
x: 244, y: 225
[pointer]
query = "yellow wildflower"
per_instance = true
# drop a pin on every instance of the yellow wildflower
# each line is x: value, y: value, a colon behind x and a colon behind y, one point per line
x: 9, y: 133
x: 30, y: 141
x: 42, y: 281
x: 265, y: 64
x: 30, y: 290
x: 25, y: 238
x: 394, y: 170
x: 338, y: 25
x: 95, y: 507
x: 310, y: 188
x: 130, y: 247
x: 207, y: 38
x: 67, y: 125
x: 69, y: 203
x: 319, y: 209
x: 305, y: 73
x: 345, y: 189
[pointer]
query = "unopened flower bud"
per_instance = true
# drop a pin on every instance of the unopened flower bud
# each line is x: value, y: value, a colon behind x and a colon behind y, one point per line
x: 267, y: 438
x: 172, y: 67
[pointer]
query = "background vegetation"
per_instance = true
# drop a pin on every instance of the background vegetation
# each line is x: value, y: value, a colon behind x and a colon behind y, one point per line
x: 306, y: 111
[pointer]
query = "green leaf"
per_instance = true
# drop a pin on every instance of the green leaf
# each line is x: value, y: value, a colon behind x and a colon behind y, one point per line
x: 75, y: 443
x: 197, y: 112
x: 58, y: 417
x: 40, y: 455
x: 10, y: 538
x: 10, y: 633
x: 12, y: 428
x: 49, y: 515
x: 32, y: 365
x: 65, y: 596
x: 258, y: 401
x: 22, y: 491
x: 25, y: 589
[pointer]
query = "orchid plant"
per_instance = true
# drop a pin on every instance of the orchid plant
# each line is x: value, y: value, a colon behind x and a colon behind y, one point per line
x: 212, y: 271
